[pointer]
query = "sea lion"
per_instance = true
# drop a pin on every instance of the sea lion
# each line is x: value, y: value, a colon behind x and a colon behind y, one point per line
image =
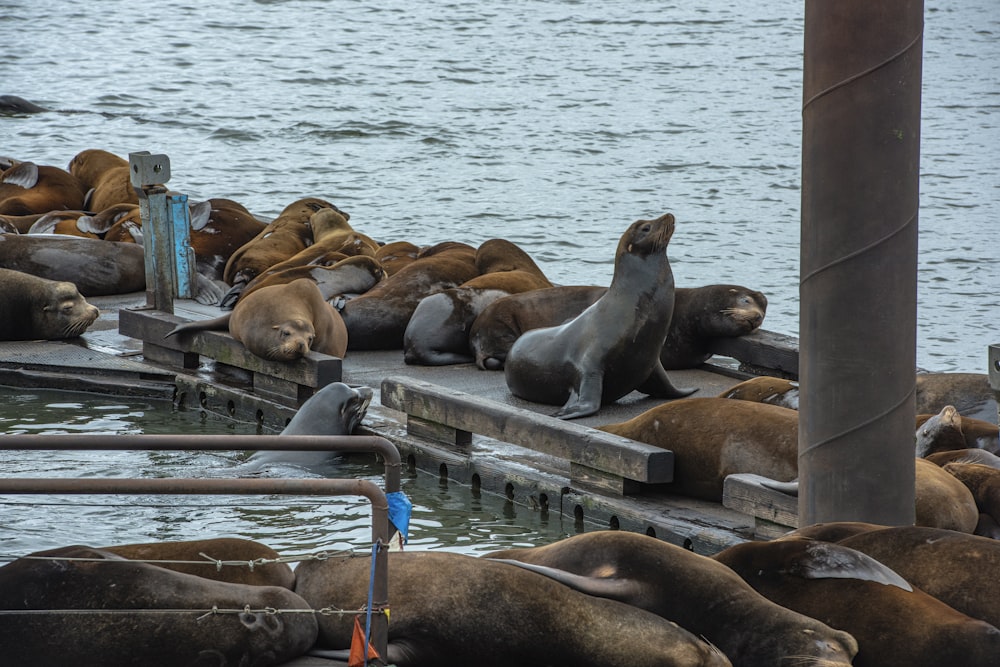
x: 948, y: 430
x: 895, y: 624
x: 377, y: 319
x: 714, y: 437
x: 970, y: 455
x: 350, y: 276
x: 502, y: 322
x: 395, y: 255
x: 27, y: 188
x: 280, y: 239
x: 335, y: 409
x: 696, y: 592
x: 702, y: 314
x: 73, y: 223
x: 280, y: 323
x: 832, y: 531
x: 33, y: 308
x: 105, y: 176
x: 613, y: 347
x: 452, y: 609
x: 12, y: 105
x: 96, y: 267
x: 200, y: 558
x: 983, y: 482
x: 766, y: 389
x: 129, y: 630
x: 942, y: 501
x: 970, y: 393
x: 956, y: 568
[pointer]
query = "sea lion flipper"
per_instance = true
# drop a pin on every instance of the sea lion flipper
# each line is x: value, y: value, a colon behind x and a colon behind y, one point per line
x: 623, y: 590
x: 215, y: 324
x: 658, y: 385
x: 584, y: 400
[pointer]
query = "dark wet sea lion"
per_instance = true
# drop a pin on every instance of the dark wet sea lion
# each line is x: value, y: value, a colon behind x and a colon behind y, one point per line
x: 895, y: 624
x: 611, y: 348
x: 33, y: 308
x: 134, y: 636
x: 699, y: 594
x: 970, y: 393
x: 377, y: 319
x: 96, y: 267
x: 280, y: 323
x: 956, y: 568
x: 451, y: 609
x: 335, y: 409
x: 948, y: 430
x: 832, y: 531
x: 27, y: 188
x: 12, y: 105
x: 714, y: 437
x: 233, y: 549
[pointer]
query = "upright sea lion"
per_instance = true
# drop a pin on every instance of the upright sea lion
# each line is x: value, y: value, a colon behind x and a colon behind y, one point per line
x: 613, y: 347
x: 377, y: 319
x: 715, y: 437
x: 451, y: 609
x: 33, y: 308
x: 281, y: 323
x: 106, y: 177
x: 956, y: 568
x: 96, y: 267
x: 132, y: 613
x: 27, y: 188
x: 696, y: 592
x: 221, y: 559
x: 895, y: 624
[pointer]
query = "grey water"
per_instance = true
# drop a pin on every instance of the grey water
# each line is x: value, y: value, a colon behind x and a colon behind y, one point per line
x: 553, y: 124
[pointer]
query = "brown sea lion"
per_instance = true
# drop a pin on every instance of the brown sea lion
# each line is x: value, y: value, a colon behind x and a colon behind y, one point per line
x: 106, y: 178
x: 280, y: 239
x: 120, y: 622
x: 895, y: 624
x: 956, y: 568
x: 970, y: 455
x: 395, y: 255
x: 983, y: 482
x: 73, y: 223
x: 502, y: 322
x: 96, y: 267
x: 200, y: 558
x: 19, y: 224
x: 280, y: 323
x: 766, y: 389
x: 27, y: 188
x: 33, y: 308
x: 451, y: 609
x: 696, y: 592
x: 715, y: 437
x: 832, y: 531
x: 942, y: 501
x: 350, y: 276
x: 377, y: 319
x: 970, y: 393
x: 613, y: 347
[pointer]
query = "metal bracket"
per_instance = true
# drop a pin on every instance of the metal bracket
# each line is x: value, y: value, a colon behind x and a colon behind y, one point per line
x: 146, y: 169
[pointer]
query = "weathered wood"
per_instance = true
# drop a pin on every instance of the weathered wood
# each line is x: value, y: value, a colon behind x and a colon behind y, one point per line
x: 451, y: 437
x: 746, y: 493
x: 313, y: 370
x: 764, y: 352
x: 590, y: 479
x: 579, y: 444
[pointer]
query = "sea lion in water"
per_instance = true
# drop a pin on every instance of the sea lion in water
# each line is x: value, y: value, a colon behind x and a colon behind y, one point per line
x: 33, y: 308
x: 696, y: 592
x: 714, y: 437
x: 452, y: 609
x: 613, y: 347
x: 129, y: 630
x: 895, y: 624
x: 281, y: 323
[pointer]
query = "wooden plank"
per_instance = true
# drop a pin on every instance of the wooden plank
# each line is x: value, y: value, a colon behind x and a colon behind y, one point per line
x: 587, y: 446
x: 762, y: 351
x: 746, y: 493
x: 313, y: 370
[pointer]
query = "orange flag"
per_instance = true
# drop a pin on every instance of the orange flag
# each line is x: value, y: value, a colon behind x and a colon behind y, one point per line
x: 357, y: 655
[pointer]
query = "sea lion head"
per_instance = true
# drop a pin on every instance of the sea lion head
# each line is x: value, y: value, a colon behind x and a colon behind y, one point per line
x: 292, y: 340
x: 66, y: 314
x: 647, y: 237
